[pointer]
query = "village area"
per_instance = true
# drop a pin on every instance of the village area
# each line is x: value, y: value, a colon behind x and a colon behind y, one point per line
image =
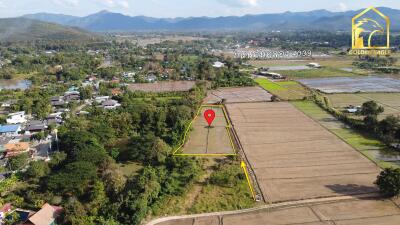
x: 162, y: 128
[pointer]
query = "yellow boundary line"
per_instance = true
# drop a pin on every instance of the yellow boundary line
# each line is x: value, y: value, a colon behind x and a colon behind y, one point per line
x: 190, y: 125
x: 244, y: 167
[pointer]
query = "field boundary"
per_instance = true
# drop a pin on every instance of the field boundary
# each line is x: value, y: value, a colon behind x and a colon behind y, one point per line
x: 228, y: 131
x: 259, y: 196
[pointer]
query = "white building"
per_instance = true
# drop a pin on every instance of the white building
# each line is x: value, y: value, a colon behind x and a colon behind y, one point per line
x: 15, y: 118
x: 314, y: 65
x: 218, y: 64
x: 110, y: 104
x: 101, y: 99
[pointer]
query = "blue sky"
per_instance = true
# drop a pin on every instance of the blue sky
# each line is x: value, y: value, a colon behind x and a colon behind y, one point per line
x: 182, y: 8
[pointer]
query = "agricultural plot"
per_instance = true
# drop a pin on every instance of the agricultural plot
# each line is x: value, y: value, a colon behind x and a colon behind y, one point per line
x: 346, y: 212
x: 236, y: 95
x: 390, y: 101
x: 202, y: 140
x: 295, y: 158
x: 163, y: 86
x: 353, y: 84
x: 371, y: 148
x: 285, y: 90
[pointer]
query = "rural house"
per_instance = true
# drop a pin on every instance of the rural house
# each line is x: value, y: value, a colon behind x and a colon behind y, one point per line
x: 57, y: 101
x: 110, y: 104
x: 10, y: 130
x: 14, y: 149
x: 47, y: 215
x: 70, y: 96
x: 18, y: 117
x: 35, y: 127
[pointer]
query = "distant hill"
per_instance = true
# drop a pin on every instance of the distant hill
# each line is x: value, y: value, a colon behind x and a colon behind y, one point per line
x: 23, y: 29
x: 313, y: 20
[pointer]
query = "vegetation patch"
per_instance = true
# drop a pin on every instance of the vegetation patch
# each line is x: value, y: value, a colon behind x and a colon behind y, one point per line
x: 227, y: 189
x: 285, y: 90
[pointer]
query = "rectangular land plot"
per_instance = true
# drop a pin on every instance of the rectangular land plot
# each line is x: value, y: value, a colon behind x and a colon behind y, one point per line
x: 163, y: 86
x: 235, y: 95
x: 343, y: 212
x: 295, y: 158
x: 202, y: 140
x: 389, y: 101
x: 286, y: 90
x: 353, y: 84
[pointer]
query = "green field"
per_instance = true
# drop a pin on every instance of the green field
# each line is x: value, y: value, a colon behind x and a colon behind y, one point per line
x: 285, y: 90
x: 221, y: 187
x: 369, y: 147
x: 227, y: 189
x: 390, y: 101
x: 316, y: 73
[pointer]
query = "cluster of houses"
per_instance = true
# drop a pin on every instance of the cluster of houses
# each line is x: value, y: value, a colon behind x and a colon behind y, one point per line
x: 47, y: 215
x: 19, y: 127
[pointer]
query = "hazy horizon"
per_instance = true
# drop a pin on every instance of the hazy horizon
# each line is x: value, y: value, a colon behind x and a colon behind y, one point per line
x: 181, y: 8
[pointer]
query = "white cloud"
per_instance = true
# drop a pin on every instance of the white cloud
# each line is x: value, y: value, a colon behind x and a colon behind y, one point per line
x: 250, y: 2
x: 240, y: 3
x: 72, y: 3
x: 343, y: 6
x: 124, y: 4
x: 115, y: 3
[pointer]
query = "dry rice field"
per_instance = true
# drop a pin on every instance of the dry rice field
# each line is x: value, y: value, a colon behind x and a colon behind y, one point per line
x: 295, y: 158
x: 163, y: 86
x: 204, y: 140
x: 346, y: 212
x: 236, y: 95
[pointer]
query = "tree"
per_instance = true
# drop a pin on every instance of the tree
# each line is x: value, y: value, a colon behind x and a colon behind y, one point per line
x: 389, y: 182
x: 18, y: 162
x: 74, y: 178
x: 57, y: 158
x: 371, y: 108
x: 159, y: 151
x: 86, y: 92
x: 150, y: 149
x: 389, y: 128
x: 37, y: 170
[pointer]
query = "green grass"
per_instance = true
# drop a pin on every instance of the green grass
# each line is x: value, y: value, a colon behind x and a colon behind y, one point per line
x: 269, y: 85
x: 233, y: 196
x: 317, y: 73
x: 369, y: 147
x: 285, y: 90
x: 215, y: 198
x: 130, y: 169
x: 206, y: 196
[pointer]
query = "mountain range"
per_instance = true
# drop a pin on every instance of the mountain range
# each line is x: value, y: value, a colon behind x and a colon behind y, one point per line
x: 23, y: 29
x: 106, y: 21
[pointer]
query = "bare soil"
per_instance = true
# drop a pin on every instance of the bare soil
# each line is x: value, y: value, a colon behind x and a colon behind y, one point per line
x: 295, y: 158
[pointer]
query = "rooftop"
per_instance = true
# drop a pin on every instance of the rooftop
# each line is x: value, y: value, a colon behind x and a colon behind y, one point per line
x: 9, y: 128
x: 46, y: 215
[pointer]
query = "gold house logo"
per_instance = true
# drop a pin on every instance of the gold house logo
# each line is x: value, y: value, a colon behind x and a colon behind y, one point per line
x: 366, y: 31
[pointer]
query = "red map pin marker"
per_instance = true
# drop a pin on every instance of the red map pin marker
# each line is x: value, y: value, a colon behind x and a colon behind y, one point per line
x: 209, y: 115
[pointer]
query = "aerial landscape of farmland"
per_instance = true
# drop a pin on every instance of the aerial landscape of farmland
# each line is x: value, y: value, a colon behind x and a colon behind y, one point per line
x: 213, y: 112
